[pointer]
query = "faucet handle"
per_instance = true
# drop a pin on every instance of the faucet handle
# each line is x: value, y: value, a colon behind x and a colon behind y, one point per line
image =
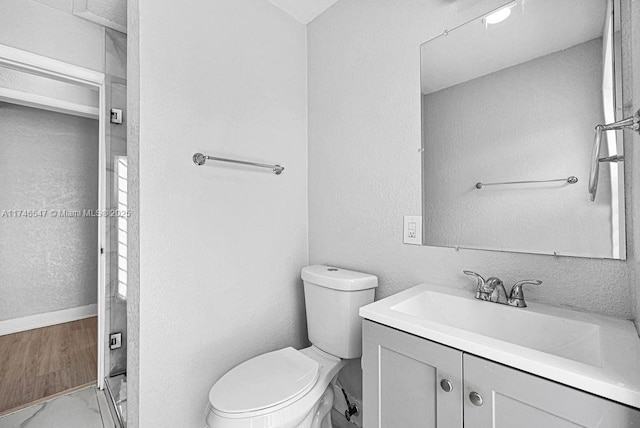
x: 479, y: 277
x: 517, y: 295
x: 480, y: 287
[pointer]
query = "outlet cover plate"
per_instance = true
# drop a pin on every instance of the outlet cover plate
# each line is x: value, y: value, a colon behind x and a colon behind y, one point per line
x: 116, y: 116
x: 115, y: 341
x: 412, y: 230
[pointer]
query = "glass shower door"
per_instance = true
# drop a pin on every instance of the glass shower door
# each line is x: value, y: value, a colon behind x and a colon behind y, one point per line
x: 116, y: 358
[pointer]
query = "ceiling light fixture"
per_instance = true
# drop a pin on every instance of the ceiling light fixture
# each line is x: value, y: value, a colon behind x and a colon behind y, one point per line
x: 499, y: 15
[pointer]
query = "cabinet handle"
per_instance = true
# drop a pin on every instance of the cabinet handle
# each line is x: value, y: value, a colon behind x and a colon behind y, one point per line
x: 446, y: 385
x: 475, y: 398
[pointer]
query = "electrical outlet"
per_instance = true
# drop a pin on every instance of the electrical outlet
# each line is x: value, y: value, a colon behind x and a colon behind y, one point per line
x: 115, y: 341
x: 412, y: 230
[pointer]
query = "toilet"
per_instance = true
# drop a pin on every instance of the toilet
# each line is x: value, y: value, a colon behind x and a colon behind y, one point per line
x: 288, y: 388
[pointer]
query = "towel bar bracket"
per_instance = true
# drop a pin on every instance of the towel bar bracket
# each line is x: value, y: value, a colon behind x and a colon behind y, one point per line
x: 630, y: 123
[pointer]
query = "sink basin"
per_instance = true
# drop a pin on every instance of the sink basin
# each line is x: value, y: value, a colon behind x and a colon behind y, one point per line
x: 568, y: 338
x: 594, y: 353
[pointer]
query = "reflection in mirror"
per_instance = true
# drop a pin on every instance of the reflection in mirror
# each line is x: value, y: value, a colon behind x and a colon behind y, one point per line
x: 509, y: 105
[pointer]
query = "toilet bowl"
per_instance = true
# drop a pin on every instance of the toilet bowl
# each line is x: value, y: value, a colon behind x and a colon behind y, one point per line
x: 288, y: 388
x: 284, y: 388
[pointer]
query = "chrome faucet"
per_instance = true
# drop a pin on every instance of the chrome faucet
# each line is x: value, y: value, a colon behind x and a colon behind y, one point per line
x: 492, y: 290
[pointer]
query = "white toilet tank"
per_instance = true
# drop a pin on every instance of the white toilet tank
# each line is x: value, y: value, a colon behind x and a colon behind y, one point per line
x: 333, y: 297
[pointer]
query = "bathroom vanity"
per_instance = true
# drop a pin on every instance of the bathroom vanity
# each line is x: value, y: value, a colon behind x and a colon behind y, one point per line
x: 436, y: 357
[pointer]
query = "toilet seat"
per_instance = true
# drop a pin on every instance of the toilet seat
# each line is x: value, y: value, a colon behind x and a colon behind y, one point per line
x: 295, y: 412
x: 270, y: 380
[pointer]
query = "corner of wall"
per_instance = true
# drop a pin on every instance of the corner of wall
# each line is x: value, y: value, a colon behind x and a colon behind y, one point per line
x: 133, y: 149
x: 306, y: 76
x: 631, y: 81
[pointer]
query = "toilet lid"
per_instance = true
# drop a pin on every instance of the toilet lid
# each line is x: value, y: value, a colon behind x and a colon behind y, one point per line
x: 264, y: 381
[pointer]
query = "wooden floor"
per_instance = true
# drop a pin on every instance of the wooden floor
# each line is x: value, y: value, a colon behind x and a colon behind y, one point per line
x: 44, y: 362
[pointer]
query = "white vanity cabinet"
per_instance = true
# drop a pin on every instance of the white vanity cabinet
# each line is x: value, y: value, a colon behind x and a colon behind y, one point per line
x: 512, y: 398
x: 402, y: 388
x: 401, y: 380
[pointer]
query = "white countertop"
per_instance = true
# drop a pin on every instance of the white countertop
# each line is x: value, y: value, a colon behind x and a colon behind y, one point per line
x: 612, y: 371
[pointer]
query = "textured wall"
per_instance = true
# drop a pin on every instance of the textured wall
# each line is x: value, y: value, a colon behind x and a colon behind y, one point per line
x: 47, y: 161
x: 133, y: 223
x: 364, y: 122
x: 221, y: 246
x: 631, y: 69
x: 529, y: 121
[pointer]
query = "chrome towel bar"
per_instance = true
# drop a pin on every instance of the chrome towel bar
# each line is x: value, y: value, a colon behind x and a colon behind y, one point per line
x: 570, y: 180
x: 630, y: 123
x: 200, y: 159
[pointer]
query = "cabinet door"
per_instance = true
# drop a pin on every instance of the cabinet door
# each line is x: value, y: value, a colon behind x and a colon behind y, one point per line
x: 511, y: 398
x: 401, y: 381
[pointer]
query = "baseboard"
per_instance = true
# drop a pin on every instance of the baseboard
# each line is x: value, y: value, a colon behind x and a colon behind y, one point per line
x: 17, y: 325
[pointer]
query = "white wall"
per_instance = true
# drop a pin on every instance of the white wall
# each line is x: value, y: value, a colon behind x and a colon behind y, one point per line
x: 34, y: 27
x: 632, y: 70
x: 49, y: 28
x: 47, y: 162
x: 220, y: 246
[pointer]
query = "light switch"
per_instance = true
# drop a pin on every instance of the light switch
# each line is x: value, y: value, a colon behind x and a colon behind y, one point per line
x: 412, y: 230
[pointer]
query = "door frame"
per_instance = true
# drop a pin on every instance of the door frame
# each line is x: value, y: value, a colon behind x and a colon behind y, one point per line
x: 62, y: 71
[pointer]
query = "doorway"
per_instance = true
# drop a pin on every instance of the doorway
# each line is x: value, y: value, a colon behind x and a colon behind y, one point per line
x: 53, y: 227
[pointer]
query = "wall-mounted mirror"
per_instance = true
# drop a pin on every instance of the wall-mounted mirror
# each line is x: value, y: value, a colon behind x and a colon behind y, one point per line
x: 509, y: 105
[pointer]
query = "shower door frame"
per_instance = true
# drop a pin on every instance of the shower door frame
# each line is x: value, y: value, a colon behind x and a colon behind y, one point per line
x: 20, y: 60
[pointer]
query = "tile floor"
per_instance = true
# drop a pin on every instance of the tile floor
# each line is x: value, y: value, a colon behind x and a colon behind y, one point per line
x: 87, y: 408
